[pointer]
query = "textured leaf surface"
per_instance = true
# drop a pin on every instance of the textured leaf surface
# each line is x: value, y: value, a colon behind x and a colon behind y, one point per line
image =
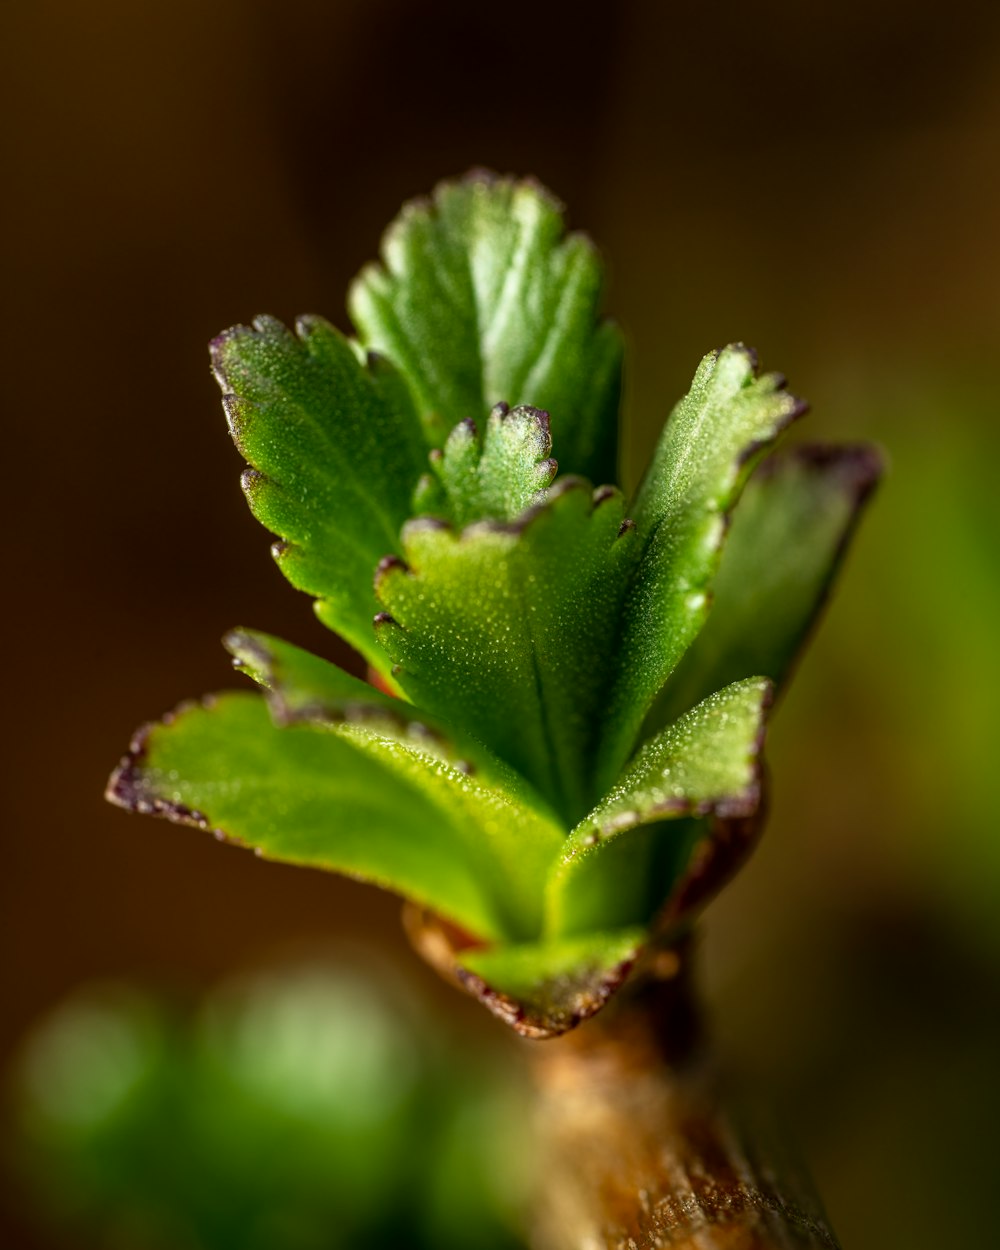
x: 789, y: 533
x: 302, y: 688
x: 506, y: 631
x: 481, y: 297
x: 335, y: 450
x: 707, y: 762
x: 703, y: 458
x: 545, y: 988
x: 495, y: 478
x: 368, y: 807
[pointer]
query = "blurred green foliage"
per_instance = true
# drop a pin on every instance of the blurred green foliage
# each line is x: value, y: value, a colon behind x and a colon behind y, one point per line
x: 304, y: 1109
x: 912, y: 667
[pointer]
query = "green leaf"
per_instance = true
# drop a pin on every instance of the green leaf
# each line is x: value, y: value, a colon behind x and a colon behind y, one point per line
x: 790, y: 531
x: 369, y: 807
x: 507, y: 631
x: 707, y: 450
x: 706, y: 763
x: 334, y: 448
x: 546, y: 988
x: 496, y: 479
x: 302, y: 688
x: 482, y: 297
x: 629, y: 882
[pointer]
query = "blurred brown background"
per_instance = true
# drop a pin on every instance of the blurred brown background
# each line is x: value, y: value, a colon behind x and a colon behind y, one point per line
x: 821, y: 181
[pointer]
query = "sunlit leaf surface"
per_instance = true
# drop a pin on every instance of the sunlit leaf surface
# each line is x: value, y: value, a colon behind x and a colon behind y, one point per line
x: 482, y: 297
x: 335, y: 450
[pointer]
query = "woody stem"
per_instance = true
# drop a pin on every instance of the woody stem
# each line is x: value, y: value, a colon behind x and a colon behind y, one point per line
x: 643, y: 1146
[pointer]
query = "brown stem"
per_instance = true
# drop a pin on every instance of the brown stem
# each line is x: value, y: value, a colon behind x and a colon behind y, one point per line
x: 642, y: 1148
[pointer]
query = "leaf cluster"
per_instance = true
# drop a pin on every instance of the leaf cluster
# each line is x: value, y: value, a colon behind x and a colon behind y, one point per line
x: 572, y: 730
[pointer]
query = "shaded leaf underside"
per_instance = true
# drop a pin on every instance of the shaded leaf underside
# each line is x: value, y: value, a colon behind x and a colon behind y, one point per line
x: 789, y: 533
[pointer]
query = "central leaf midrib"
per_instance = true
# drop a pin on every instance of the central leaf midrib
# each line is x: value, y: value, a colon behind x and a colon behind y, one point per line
x: 558, y: 790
